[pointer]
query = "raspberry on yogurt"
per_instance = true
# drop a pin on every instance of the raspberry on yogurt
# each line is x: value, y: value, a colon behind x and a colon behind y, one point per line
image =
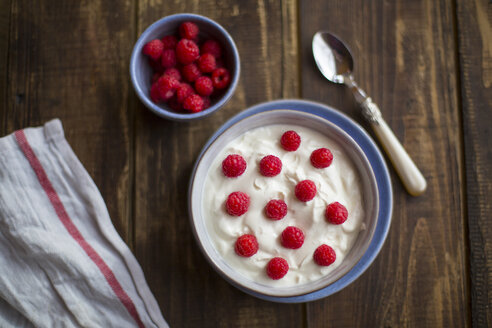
x: 321, y: 158
x: 336, y: 213
x: 276, y: 209
x: 246, y: 246
x: 290, y: 140
x: 270, y: 166
x: 305, y: 190
x: 277, y: 268
x: 233, y: 166
x: 237, y: 203
x: 292, y: 237
x: 324, y: 255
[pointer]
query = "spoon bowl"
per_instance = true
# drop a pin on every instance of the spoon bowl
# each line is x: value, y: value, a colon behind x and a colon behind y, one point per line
x: 332, y: 57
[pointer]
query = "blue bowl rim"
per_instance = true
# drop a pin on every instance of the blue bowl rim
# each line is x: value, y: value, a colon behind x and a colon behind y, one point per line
x: 380, y: 171
x: 163, y: 112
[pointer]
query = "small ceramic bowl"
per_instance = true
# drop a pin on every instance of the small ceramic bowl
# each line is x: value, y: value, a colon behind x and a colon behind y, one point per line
x: 141, y: 72
x: 254, y: 118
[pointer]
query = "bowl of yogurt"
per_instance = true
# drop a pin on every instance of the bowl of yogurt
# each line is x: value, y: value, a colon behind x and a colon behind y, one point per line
x: 347, y: 180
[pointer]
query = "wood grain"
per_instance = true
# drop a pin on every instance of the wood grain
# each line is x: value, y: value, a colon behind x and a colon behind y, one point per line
x: 405, y: 59
x: 69, y: 60
x: 475, y: 54
x: 4, y: 50
x: 189, y: 292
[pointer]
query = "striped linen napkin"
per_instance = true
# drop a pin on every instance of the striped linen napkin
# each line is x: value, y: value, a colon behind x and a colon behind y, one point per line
x: 62, y: 263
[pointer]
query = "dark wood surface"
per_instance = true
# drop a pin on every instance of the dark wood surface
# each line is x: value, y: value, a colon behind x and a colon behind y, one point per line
x: 428, y: 64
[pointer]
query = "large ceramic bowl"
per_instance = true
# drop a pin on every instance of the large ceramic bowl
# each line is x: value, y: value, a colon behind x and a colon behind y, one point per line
x: 375, y: 184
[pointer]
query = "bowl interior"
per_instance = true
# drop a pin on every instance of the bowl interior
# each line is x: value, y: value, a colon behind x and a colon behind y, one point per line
x: 142, y: 72
x: 355, y: 153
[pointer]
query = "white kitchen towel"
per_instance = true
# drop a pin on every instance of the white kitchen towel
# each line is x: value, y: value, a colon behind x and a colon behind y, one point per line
x: 62, y: 263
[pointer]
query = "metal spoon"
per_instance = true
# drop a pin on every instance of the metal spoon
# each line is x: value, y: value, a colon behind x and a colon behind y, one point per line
x: 336, y: 64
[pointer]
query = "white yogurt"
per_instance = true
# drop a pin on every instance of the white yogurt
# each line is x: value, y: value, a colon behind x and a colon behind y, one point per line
x: 339, y: 182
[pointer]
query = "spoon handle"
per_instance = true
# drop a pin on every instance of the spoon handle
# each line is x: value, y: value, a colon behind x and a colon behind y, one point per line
x: 409, y: 173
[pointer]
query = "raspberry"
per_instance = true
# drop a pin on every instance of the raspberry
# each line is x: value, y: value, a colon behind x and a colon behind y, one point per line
x: 292, y: 237
x: 212, y: 47
x: 233, y: 166
x: 169, y: 42
x: 246, y: 246
x: 173, y: 72
x: 220, y: 78
x: 184, y: 91
x: 174, y: 104
x: 237, y: 203
x: 155, y: 77
x: 305, y: 190
x: 168, y: 58
x: 188, y: 30
x: 153, y: 49
x: 191, y: 72
x: 154, y: 93
x: 336, y: 213
x: 276, y: 209
x: 270, y: 166
x: 167, y: 86
x: 277, y: 268
x: 290, y: 141
x: 324, y: 255
x: 206, y: 102
x: 321, y: 158
x: 187, y: 51
x: 206, y: 63
x: 193, y: 103
x: 203, y: 86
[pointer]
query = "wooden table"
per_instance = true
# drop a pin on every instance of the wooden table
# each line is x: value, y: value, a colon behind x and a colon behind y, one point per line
x: 428, y: 64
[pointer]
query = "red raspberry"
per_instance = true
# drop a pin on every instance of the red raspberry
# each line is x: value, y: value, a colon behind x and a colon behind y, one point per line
x: 167, y: 86
x: 193, y: 103
x: 276, y: 209
x: 203, y: 86
x: 270, y: 166
x: 321, y: 158
x: 154, y: 93
x: 237, y: 203
x: 324, y: 255
x: 206, y: 102
x: 188, y: 30
x: 233, y: 166
x: 184, y: 91
x: 168, y: 58
x: 169, y: 42
x: 191, y: 72
x: 155, y: 77
x: 206, y: 63
x: 174, y: 104
x: 219, y: 63
x: 292, y: 237
x: 246, y: 246
x: 277, y: 268
x: 305, y: 190
x: 336, y: 213
x: 173, y: 72
x: 212, y: 47
x: 290, y: 141
x: 187, y: 51
x: 153, y: 49
x: 220, y: 78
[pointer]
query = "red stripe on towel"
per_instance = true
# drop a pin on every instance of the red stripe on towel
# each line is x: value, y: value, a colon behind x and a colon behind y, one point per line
x: 72, y: 229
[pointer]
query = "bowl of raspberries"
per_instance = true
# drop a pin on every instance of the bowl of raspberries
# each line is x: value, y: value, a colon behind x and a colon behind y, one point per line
x: 184, y: 67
